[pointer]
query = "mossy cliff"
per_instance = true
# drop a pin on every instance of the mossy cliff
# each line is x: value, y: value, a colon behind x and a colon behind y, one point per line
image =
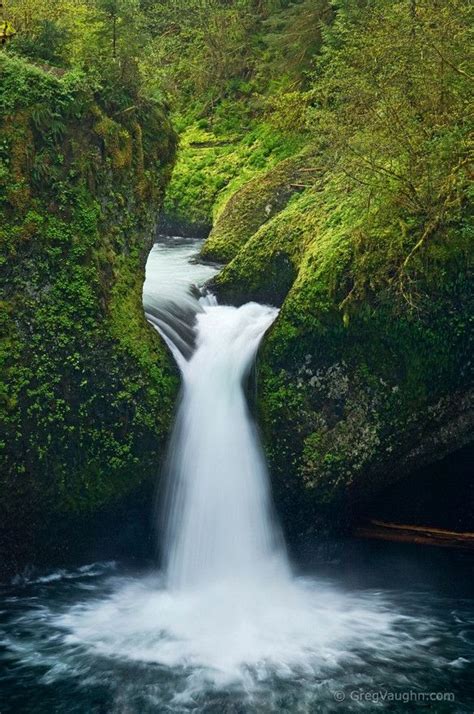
x: 87, y: 388
x: 366, y: 375
x: 253, y: 206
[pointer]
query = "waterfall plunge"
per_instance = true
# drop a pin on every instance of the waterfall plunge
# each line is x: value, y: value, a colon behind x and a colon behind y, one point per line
x: 216, y: 519
x: 218, y: 515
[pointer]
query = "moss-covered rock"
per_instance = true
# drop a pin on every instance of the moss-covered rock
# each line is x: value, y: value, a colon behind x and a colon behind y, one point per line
x: 213, y: 162
x: 268, y: 265
x: 367, y: 374
x: 87, y: 387
x: 255, y: 204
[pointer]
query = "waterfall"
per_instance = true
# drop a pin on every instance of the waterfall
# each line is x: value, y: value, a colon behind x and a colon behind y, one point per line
x: 217, y: 520
x: 218, y: 513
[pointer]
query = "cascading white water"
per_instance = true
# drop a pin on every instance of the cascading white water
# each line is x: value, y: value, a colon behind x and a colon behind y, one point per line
x: 219, y: 522
x: 217, y: 512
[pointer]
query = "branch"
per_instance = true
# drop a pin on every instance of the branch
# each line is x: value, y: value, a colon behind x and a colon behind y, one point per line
x: 412, y: 195
x: 450, y: 64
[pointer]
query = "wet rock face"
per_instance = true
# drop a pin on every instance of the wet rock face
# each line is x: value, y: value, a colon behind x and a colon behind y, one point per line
x: 336, y: 437
x: 88, y: 388
x: 340, y: 432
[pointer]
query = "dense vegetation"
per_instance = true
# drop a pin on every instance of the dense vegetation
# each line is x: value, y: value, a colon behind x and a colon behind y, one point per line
x: 87, y: 388
x: 326, y: 144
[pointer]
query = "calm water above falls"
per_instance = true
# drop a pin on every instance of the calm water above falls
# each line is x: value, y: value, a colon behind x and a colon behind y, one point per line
x: 227, y: 626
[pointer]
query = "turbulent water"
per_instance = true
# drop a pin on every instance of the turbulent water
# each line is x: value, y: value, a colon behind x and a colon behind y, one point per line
x: 226, y: 626
x: 219, y: 523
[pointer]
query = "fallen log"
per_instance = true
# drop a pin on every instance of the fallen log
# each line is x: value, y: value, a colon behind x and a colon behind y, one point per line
x: 422, y: 535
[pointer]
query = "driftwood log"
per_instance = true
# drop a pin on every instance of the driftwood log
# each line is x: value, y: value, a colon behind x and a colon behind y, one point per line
x: 423, y: 535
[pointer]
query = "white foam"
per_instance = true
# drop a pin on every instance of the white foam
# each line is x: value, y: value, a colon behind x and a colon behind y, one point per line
x: 237, y: 631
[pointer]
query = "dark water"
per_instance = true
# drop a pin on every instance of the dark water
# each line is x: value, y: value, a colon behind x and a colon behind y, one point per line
x: 413, y: 650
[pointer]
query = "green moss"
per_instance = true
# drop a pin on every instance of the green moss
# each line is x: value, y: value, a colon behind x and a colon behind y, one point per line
x: 88, y: 387
x: 266, y: 269
x: 213, y: 163
x: 254, y: 205
x: 354, y: 380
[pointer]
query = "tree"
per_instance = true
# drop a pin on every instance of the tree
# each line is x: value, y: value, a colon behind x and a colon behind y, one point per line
x: 122, y: 20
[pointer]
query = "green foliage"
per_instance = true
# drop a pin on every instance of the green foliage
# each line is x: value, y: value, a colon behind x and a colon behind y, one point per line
x: 200, y: 48
x: 212, y: 165
x: 292, y: 36
x: 221, y: 67
x: 45, y: 43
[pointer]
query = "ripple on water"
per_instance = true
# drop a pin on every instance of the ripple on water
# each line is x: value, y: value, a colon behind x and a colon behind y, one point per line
x: 285, y: 646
